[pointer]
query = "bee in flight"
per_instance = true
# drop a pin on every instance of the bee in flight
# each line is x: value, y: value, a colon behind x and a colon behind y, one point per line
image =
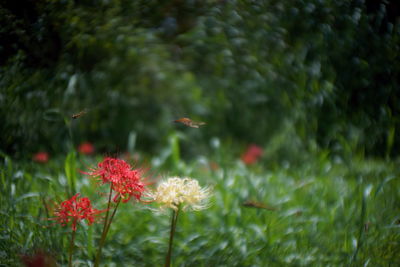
x: 189, y: 122
x: 79, y: 114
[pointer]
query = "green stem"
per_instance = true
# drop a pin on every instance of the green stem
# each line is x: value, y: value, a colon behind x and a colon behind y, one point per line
x: 68, y: 124
x: 112, y: 216
x: 176, y: 218
x: 171, y: 237
x: 71, y: 248
x: 361, y: 228
x: 103, y: 234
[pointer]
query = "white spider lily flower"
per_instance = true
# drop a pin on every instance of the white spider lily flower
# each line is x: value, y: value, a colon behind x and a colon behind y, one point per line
x: 178, y: 192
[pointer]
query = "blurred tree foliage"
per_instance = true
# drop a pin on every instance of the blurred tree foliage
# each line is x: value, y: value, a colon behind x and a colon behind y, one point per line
x: 289, y: 74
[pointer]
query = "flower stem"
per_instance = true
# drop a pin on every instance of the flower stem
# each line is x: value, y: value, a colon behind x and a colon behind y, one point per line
x: 71, y: 248
x: 103, y: 234
x: 171, y: 237
x: 112, y: 216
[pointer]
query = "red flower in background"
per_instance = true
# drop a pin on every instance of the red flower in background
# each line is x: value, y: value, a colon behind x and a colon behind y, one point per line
x: 86, y: 148
x: 41, y: 157
x: 252, y: 154
x: 39, y: 259
x: 125, y: 181
x: 75, y: 210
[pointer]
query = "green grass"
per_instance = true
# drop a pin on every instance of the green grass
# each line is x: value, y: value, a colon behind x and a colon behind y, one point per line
x: 326, y: 214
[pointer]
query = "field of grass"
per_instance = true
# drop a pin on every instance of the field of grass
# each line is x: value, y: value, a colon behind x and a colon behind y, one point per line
x: 323, y: 213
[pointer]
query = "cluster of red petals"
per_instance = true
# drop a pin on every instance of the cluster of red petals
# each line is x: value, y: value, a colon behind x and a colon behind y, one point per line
x: 41, y: 157
x: 123, y: 179
x: 75, y: 210
x: 252, y: 154
x: 86, y: 148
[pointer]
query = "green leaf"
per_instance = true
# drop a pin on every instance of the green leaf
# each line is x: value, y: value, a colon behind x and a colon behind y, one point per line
x: 70, y: 172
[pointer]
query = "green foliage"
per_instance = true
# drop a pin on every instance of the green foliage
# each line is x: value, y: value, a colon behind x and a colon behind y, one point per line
x: 315, y: 83
x: 70, y: 172
x: 323, y: 212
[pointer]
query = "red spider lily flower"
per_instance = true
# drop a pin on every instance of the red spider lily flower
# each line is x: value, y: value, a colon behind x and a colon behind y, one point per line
x: 252, y: 154
x: 41, y: 157
x: 130, y: 185
x: 125, y: 181
x: 74, y: 210
x: 86, y: 148
x: 39, y: 259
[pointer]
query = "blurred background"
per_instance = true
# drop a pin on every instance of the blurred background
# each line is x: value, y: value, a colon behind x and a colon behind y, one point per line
x: 292, y: 76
